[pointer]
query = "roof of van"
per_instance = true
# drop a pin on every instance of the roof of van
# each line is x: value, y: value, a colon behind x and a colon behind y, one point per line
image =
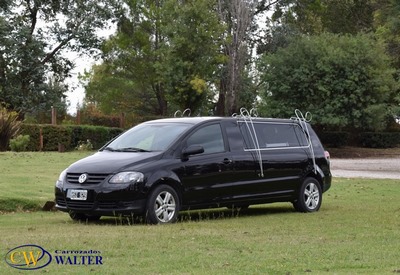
x: 197, y: 120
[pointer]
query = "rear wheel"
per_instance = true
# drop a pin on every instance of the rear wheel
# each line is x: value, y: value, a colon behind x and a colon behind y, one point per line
x: 83, y: 217
x: 162, y: 205
x: 309, y: 198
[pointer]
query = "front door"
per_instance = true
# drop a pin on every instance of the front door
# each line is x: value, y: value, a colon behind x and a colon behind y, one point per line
x: 206, y: 176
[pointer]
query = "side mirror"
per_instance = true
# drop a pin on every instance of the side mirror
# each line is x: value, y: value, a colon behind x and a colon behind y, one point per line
x: 191, y: 150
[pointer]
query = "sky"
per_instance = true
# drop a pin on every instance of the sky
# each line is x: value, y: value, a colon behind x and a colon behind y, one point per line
x: 76, y: 92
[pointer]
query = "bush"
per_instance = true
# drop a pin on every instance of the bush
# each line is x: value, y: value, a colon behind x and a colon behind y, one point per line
x: 20, y: 143
x: 334, y: 139
x: 9, y: 127
x: 53, y: 136
x: 84, y: 146
x: 345, y: 81
x: 69, y: 137
x: 380, y: 140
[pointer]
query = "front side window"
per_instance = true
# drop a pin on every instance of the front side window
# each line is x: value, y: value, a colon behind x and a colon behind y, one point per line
x: 210, y: 137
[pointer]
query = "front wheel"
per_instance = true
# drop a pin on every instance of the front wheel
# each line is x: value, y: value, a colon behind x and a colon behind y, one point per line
x: 162, y: 205
x: 309, y: 198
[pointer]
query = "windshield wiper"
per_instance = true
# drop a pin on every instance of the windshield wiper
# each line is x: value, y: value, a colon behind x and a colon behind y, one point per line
x: 109, y: 149
x: 131, y: 149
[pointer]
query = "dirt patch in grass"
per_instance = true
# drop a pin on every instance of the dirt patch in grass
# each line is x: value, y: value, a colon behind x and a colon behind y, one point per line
x: 357, y: 152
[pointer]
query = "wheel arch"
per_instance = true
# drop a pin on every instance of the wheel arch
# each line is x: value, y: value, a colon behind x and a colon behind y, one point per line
x: 167, y: 178
x: 318, y: 175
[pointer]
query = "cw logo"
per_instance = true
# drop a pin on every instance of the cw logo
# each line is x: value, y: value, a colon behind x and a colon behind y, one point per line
x: 28, y: 257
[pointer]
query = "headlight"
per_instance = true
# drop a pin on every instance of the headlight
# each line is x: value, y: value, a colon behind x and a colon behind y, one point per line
x: 127, y: 177
x: 60, y: 181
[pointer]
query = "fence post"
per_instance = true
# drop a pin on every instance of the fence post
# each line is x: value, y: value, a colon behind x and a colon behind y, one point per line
x: 78, y: 117
x: 41, y: 139
x: 122, y: 120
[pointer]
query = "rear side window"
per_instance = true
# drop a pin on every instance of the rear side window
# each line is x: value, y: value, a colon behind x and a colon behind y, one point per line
x: 210, y: 137
x: 272, y: 135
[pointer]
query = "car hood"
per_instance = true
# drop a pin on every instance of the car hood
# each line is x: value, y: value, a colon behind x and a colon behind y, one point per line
x: 107, y: 162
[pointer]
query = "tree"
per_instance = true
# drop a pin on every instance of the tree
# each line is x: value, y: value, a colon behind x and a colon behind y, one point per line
x: 345, y: 81
x: 113, y: 91
x: 238, y: 16
x: 195, y: 38
x: 318, y: 16
x: 163, y: 55
x: 33, y: 35
x: 135, y: 53
x: 292, y: 18
x: 387, y: 23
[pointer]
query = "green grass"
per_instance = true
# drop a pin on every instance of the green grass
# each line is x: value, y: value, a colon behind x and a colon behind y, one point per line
x: 357, y: 231
x: 27, y: 179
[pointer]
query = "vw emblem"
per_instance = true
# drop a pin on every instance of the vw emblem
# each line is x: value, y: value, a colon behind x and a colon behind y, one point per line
x: 83, y: 178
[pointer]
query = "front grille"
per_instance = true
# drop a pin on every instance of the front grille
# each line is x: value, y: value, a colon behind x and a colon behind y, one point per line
x: 91, y: 179
x: 89, y: 205
x: 61, y: 202
x: 80, y: 205
x: 115, y: 204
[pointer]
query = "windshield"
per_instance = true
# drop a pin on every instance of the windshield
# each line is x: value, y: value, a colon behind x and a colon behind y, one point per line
x: 148, y: 137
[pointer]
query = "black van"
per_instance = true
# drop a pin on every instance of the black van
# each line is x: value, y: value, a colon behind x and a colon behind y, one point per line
x: 160, y: 167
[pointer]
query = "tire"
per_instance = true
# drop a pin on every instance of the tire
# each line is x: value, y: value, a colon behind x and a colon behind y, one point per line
x: 83, y: 217
x: 162, y: 205
x: 309, y: 198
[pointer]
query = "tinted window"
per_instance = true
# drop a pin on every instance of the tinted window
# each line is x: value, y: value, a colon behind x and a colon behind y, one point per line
x: 151, y: 137
x: 272, y: 135
x: 210, y: 137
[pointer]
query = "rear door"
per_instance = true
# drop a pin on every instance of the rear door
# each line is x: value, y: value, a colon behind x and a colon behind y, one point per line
x: 279, y: 152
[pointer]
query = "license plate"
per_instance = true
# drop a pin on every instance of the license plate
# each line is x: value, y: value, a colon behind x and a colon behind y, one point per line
x: 80, y: 195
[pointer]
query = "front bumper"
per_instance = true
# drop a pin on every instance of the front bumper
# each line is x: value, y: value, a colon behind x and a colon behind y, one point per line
x: 99, y: 202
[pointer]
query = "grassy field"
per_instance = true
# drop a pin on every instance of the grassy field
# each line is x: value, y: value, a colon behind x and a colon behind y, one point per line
x: 27, y: 179
x: 357, y: 231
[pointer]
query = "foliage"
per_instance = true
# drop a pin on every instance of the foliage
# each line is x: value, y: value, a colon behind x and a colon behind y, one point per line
x: 84, y: 146
x: 132, y: 67
x: 344, y: 81
x: 54, y: 136
x: 9, y: 127
x: 194, y: 37
x: 380, y: 140
x: 334, y: 139
x: 68, y: 136
x: 20, y: 143
x: 387, y: 24
x: 91, y: 115
x: 43, y: 30
x: 239, y: 18
x: 319, y: 16
x: 162, y: 54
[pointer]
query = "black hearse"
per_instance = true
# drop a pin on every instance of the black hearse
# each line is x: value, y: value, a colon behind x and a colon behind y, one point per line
x: 160, y: 167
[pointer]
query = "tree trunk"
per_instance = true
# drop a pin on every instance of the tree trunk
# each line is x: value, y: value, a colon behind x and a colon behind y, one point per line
x: 162, y: 103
